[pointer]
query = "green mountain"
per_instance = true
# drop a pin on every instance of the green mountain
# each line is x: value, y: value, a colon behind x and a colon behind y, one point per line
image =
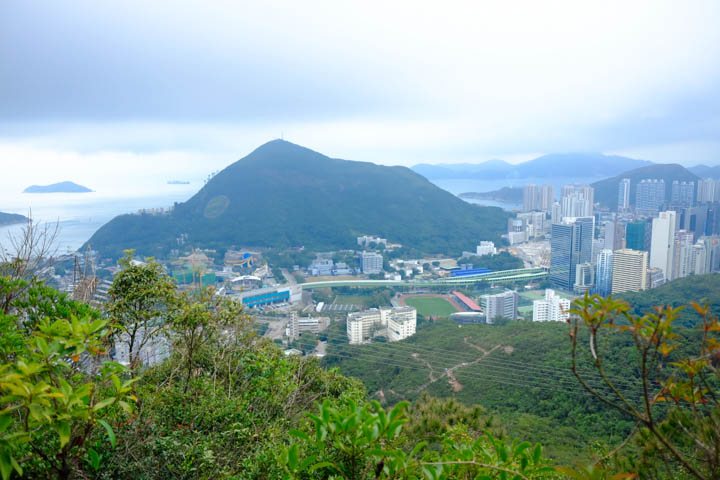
x: 548, y: 166
x: 606, y: 191
x: 62, y: 187
x: 284, y: 195
x: 11, y: 218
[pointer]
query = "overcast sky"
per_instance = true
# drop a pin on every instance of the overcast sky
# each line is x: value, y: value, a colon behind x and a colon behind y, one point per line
x: 93, y: 88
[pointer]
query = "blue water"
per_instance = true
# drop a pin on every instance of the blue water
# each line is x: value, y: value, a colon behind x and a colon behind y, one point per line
x: 80, y: 215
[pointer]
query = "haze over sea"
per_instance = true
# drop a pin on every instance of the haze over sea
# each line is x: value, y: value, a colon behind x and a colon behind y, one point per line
x: 81, y: 214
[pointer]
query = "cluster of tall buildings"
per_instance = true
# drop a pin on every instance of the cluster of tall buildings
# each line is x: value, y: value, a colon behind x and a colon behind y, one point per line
x: 708, y: 190
x: 552, y: 308
x: 538, y: 197
x: 652, y: 195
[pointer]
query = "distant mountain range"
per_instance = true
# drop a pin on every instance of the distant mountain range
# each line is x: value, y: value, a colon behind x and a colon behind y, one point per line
x: 62, y: 187
x: 703, y: 171
x: 11, y: 219
x: 606, y: 191
x: 548, y: 166
x: 284, y: 195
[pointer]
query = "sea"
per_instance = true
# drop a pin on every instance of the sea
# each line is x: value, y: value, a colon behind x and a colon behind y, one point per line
x: 80, y: 215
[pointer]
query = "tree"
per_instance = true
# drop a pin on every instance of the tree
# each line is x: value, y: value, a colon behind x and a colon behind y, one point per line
x: 199, y: 319
x: 675, y: 399
x: 21, y: 261
x: 57, y: 391
x: 140, y: 301
x: 356, y: 441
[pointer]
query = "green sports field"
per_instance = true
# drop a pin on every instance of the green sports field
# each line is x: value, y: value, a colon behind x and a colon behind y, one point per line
x: 431, y: 306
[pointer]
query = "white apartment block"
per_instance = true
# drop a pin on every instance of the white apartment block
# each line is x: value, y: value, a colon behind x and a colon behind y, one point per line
x: 399, y: 323
x: 485, y: 248
x: 371, y: 262
x: 553, y: 308
x: 366, y: 240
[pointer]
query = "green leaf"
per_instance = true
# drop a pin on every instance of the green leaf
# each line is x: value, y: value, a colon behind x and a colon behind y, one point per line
x: 94, y: 460
x: 5, y: 465
x: 103, y: 403
x: 299, y: 434
x: 320, y: 465
x: 536, y: 454
x: 5, y: 422
x: 63, y: 431
x: 108, y: 428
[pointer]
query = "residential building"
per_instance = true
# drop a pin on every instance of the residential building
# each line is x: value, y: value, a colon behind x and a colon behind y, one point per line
x: 683, y: 261
x: 538, y: 197
x: 614, y: 235
x: 296, y: 325
x: 629, y: 271
x: 682, y: 194
x: 553, y: 308
x: 712, y: 253
x: 485, y: 248
x: 624, y: 195
x: 662, y: 244
x: 402, y: 323
x: 398, y: 323
x: 584, y: 277
x: 571, y: 244
x: 372, y: 262
x: 530, y: 197
x: 655, y: 278
x: 577, y: 201
x: 367, y: 241
x: 649, y: 196
x: 500, y: 305
x: 604, y: 272
x: 708, y: 190
x: 555, y: 213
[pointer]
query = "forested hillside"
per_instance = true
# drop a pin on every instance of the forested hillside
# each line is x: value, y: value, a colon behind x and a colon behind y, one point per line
x: 284, y: 195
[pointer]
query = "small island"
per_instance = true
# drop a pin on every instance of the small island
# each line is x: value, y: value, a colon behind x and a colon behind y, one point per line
x: 62, y: 187
x: 11, y: 219
x: 178, y: 182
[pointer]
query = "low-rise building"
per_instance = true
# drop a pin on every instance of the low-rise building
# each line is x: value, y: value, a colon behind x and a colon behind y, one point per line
x: 398, y: 322
x: 270, y: 295
x: 485, y: 248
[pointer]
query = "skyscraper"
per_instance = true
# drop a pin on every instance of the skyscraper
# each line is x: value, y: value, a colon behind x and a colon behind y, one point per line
x: 708, y: 190
x: 649, y: 196
x: 682, y: 194
x: 662, y: 245
x: 571, y: 244
x: 637, y: 235
x: 547, y: 197
x: 683, y: 260
x: 538, y: 198
x: 577, y: 201
x: 530, y: 197
x: 629, y: 271
x: 624, y: 195
x: 604, y: 272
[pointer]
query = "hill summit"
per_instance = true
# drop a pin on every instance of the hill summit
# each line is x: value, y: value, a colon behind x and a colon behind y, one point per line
x: 284, y: 195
